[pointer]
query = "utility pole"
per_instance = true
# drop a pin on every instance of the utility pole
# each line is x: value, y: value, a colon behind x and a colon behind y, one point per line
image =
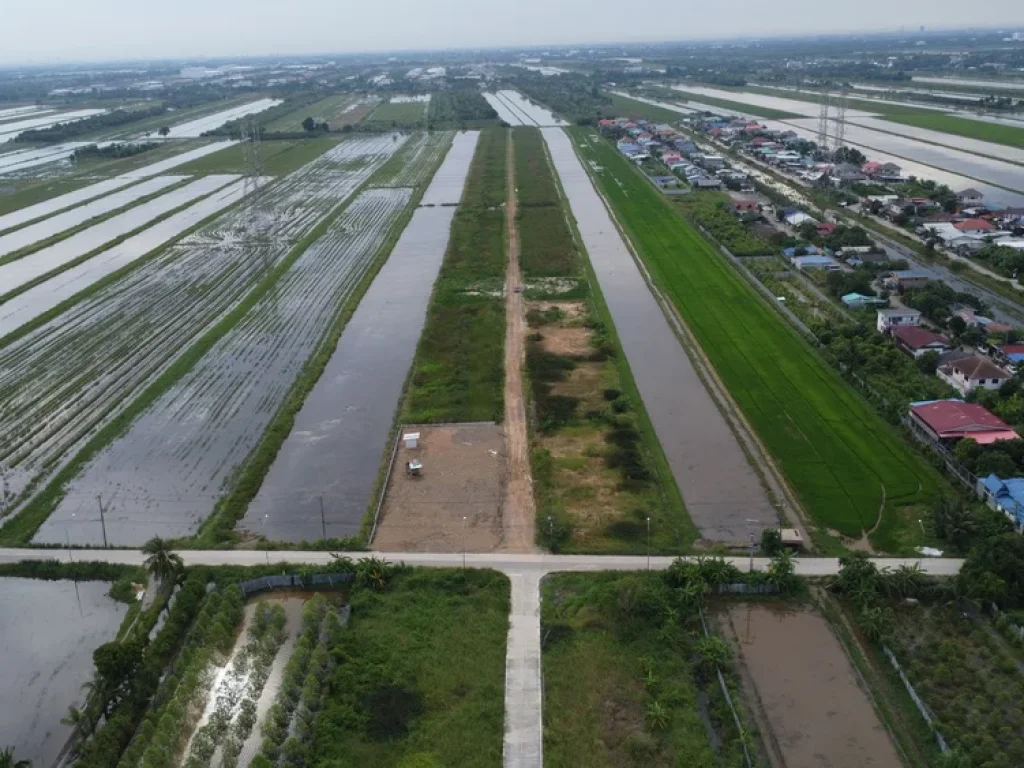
x: 266, y: 543
x: 463, y: 545
x: 648, y: 542
x: 103, y: 520
x: 323, y: 520
x: 750, y: 532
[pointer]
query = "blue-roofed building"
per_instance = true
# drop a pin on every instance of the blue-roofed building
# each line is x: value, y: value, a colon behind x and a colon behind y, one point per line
x: 826, y: 263
x: 808, y: 250
x: 1007, y: 496
x: 856, y: 300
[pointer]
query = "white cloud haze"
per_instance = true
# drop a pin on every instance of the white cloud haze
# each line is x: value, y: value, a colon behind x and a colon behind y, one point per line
x: 67, y: 30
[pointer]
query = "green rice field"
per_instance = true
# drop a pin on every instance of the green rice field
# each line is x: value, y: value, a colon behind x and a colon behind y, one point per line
x: 321, y: 111
x: 963, y: 126
x: 737, y: 106
x: 852, y: 472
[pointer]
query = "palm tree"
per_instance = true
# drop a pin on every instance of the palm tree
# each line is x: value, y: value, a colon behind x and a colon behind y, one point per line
x: 781, y: 570
x: 163, y: 564
x: 79, y: 720
x: 657, y: 716
x: 7, y: 759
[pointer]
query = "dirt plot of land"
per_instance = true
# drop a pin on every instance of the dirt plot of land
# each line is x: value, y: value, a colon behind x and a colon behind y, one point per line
x: 818, y: 713
x: 463, y: 476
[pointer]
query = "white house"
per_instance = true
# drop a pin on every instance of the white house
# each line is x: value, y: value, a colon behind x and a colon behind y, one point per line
x: 968, y: 197
x: 894, y: 318
x: 974, y: 372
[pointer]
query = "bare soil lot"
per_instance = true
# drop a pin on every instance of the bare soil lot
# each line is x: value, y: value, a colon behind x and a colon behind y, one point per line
x: 808, y: 690
x: 463, y: 476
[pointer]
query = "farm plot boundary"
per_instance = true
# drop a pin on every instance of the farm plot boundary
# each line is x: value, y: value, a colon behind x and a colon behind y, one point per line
x: 823, y: 435
x: 219, y: 527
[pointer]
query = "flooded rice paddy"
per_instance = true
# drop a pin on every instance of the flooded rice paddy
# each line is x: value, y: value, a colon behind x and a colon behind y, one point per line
x: 46, y: 662
x: 719, y: 487
x: 196, y: 128
x: 164, y: 475
x: 516, y: 109
x: 72, y: 375
x: 340, y: 434
x: 818, y: 713
x: 48, y: 207
x: 14, y: 274
x: 54, y: 225
x: 12, y: 130
x: 36, y: 301
x: 17, y: 162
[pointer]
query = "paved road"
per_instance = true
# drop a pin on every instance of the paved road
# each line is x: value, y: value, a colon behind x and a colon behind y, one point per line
x: 508, y: 563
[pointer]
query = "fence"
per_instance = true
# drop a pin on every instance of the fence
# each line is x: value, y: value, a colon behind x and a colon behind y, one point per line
x: 746, y: 589
x: 292, y: 581
x: 725, y: 688
x: 922, y: 708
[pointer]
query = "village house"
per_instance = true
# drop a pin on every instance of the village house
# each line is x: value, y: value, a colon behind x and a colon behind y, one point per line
x: 916, y: 341
x: 903, y: 279
x: 974, y: 372
x: 948, y: 421
x: 896, y: 317
x: 969, y: 197
x: 1006, y: 496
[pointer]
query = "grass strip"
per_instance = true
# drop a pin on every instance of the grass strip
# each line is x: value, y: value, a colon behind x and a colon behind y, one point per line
x: 218, y: 529
x: 961, y: 126
x: 737, y: 106
x: 458, y: 372
x: 848, y: 467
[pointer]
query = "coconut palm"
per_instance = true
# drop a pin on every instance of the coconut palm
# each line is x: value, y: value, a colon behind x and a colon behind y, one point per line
x: 163, y: 564
x: 8, y: 760
x: 79, y: 720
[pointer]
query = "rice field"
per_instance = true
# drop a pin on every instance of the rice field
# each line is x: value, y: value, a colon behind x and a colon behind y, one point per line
x: 516, y: 109
x: 321, y: 111
x: 199, y: 126
x: 11, y: 130
x: 21, y: 272
x: 402, y: 113
x: 165, y: 473
x: 413, y: 164
x: 72, y: 375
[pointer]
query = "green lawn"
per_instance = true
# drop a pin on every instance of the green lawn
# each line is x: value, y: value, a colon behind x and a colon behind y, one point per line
x: 279, y: 157
x: 321, y: 111
x: 635, y: 110
x: 738, y: 106
x: 458, y: 373
x: 407, y: 114
x: 963, y: 126
x: 844, y: 462
x: 894, y: 108
x: 614, y: 647
x: 421, y: 674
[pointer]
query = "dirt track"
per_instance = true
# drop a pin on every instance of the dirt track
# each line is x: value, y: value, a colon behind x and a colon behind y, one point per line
x: 517, y: 513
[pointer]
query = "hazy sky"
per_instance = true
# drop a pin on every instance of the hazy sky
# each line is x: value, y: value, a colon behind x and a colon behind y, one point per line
x: 47, y: 30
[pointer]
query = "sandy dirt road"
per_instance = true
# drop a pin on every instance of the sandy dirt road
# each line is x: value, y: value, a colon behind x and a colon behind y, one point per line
x: 518, y: 512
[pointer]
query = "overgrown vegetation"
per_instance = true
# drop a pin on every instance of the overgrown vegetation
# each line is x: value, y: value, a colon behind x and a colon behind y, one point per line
x: 712, y: 211
x: 630, y: 677
x: 458, y: 374
x: 419, y: 674
x: 71, y: 130
x: 459, y: 107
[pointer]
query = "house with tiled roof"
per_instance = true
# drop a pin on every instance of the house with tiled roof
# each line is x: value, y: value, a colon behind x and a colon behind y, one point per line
x: 971, y: 373
x: 916, y: 341
x: 968, y: 197
x: 975, y: 226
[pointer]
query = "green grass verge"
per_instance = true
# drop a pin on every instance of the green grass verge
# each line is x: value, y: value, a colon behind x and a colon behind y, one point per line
x: 814, y: 97
x: 615, y: 645
x: 410, y: 114
x: 962, y: 126
x: 845, y: 463
x: 279, y: 157
x: 458, y: 373
x: 18, y: 194
x: 737, y: 106
x: 638, y: 110
x: 422, y: 675
x: 321, y: 111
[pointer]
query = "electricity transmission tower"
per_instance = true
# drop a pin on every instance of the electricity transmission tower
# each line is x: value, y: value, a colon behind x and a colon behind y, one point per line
x: 257, y: 221
x: 840, y: 132
x: 823, y: 121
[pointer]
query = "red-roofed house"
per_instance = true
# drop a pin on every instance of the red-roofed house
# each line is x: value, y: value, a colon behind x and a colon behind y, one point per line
x: 826, y: 228
x: 975, y: 226
x: 915, y: 340
x: 953, y: 420
x: 870, y: 168
x: 974, y: 372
